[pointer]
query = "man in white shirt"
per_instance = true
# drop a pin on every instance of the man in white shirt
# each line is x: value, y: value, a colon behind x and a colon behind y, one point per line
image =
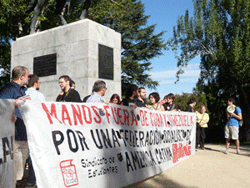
x: 99, y: 89
x: 33, y: 87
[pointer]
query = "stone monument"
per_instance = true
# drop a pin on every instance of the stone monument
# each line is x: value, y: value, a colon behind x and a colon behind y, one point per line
x: 84, y: 50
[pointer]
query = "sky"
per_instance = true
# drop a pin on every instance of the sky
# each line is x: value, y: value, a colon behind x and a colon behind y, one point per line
x: 164, y: 13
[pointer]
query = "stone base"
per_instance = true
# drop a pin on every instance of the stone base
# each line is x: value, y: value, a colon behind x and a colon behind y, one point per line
x: 76, y: 48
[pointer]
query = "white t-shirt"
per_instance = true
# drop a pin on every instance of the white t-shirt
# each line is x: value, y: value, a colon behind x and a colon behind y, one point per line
x: 35, y: 95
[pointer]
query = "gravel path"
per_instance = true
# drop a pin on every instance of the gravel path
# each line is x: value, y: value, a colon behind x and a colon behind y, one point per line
x: 208, y: 168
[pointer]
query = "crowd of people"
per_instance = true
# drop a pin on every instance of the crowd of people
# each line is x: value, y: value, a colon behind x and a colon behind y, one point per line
x: 134, y: 96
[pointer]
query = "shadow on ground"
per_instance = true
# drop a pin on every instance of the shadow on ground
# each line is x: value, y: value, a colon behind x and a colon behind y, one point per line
x: 158, y: 181
x: 245, y: 149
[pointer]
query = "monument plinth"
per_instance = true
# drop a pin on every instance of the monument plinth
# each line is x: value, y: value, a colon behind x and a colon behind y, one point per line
x: 84, y: 50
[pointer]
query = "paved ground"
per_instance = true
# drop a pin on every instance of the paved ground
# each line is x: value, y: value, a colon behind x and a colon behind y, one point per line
x: 209, y: 168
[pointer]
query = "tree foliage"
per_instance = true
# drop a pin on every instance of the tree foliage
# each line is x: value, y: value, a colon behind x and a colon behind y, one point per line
x: 182, y: 100
x: 139, y: 43
x: 12, y: 24
x: 219, y: 33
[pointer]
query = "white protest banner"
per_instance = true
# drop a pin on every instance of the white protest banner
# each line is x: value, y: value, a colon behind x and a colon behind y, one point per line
x: 7, y: 110
x: 98, y: 145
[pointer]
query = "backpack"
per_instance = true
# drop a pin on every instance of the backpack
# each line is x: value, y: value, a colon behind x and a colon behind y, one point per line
x: 239, y: 121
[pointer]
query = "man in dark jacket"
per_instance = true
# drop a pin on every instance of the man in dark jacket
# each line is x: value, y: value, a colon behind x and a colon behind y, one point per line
x: 14, y: 90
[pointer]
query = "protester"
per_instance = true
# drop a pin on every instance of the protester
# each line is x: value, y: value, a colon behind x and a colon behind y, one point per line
x: 115, y: 99
x: 201, y: 122
x: 14, y: 90
x: 33, y: 87
x: 191, y: 104
x: 141, y: 99
x: 59, y: 96
x: 86, y: 98
x: 232, y: 126
x: 130, y: 96
x: 69, y: 95
x: 154, y: 99
x: 170, y: 105
x: 99, y: 89
x: 32, y: 91
x: 72, y: 84
x: 164, y: 100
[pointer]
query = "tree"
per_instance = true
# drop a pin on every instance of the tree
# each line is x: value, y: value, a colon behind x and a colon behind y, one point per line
x: 218, y: 33
x: 13, y: 23
x: 182, y: 100
x: 139, y: 43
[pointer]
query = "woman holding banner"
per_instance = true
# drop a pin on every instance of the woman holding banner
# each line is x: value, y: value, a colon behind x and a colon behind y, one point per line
x: 154, y: 100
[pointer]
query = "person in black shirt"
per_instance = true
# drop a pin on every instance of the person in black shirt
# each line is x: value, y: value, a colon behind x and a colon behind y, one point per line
x: 141, y: 100
x: 191, y: 104
x: 130, y: 96
x: 72, y: 86
x: 69, y: 95
x: 170, y: 105
x: 87, y: 97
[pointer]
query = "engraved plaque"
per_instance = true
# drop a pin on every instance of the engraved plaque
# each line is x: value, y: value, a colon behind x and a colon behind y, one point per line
x: 106, y: 62
x: 45, y: 65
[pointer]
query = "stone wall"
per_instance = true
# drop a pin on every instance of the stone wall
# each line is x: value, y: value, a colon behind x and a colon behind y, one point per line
x: 76, y: 47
